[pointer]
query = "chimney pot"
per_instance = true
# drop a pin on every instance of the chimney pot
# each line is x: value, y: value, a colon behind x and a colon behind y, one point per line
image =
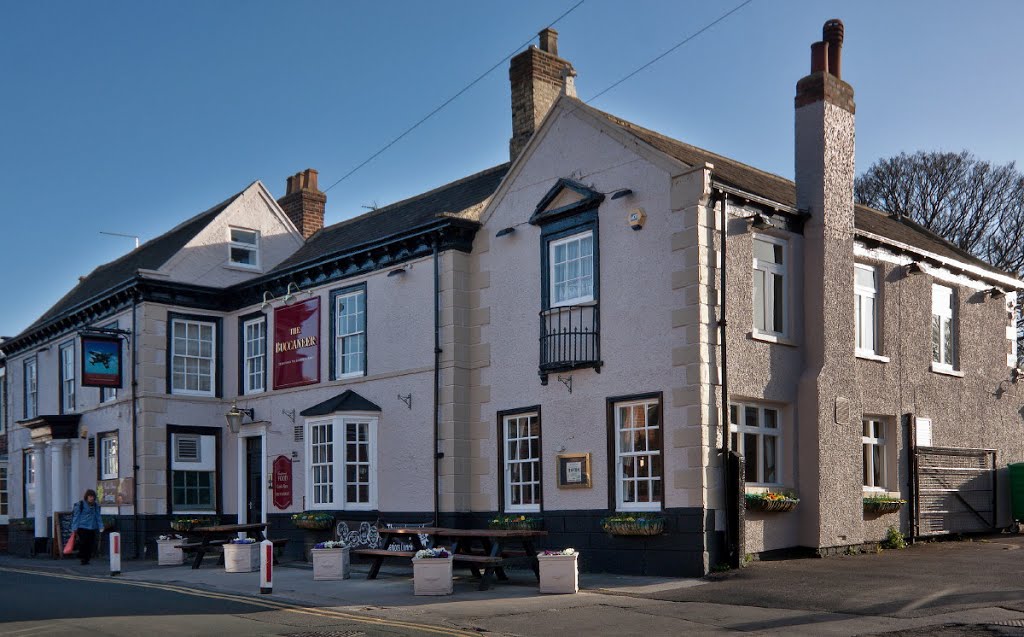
x: 832, y: 33
x: 549, y: 41
x: 819, y: 57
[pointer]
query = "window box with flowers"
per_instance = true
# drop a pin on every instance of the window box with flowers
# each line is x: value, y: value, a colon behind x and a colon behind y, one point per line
x: 313, y: 520
x: 515, y: 522
x: 186, y: 524
x: 242, y: 555
x: 559, y: 573
x: 432, y: 572
x: 882, y: 504
x: 167, y: 551
x: 771, y: 502
x: 633, y: 524
x: 330, y: 560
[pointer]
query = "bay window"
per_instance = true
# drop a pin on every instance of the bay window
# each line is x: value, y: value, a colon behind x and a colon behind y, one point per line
x: 342, y: 454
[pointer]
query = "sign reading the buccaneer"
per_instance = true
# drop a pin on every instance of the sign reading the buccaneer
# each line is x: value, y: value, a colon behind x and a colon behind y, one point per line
x: 297, y: 344
x: 282, y: 482
x: 101, y: 361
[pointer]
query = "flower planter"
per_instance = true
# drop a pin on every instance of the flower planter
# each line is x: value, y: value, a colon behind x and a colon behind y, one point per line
x: 432, y: 576
x: 638, y: 526
x: 167, y: 553
x: 525, y: 524
x: 882, y: 507
x: 559, y: 574
x: 311, y: 539
x: 771, y: 506
x: 186, y: 525
x: 314, y: 525
x: 242, y: 558
x: 330, y: 564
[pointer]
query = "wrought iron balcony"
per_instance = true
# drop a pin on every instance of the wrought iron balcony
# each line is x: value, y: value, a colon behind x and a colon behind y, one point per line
x: 569, y: 339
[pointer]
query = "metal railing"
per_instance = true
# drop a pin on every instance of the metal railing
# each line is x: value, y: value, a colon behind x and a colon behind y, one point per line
x: 569, y: 337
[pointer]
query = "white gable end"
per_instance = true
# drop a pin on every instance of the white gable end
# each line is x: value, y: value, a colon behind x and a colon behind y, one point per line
x: 206, y: 260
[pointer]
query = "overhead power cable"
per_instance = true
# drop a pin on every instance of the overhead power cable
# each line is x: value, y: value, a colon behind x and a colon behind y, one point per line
x: 676, y: 46
x: 450, y: 100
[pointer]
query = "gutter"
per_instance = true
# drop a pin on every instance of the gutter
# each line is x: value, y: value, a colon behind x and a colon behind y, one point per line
x: 437, y: 380
x: 731, y: 531
x: 135, y: 428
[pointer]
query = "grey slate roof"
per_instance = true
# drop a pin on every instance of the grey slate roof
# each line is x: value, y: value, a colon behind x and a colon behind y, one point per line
x: 347, y: 400
x: 782, y: 190
x: 410, y: 213
x: 148, y: 256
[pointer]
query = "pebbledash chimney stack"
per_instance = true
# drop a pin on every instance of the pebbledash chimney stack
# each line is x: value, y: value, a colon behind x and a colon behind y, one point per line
x: 304, y: 203
x: 538, y: 77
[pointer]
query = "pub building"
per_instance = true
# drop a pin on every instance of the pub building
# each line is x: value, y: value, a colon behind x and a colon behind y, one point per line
x: 545, y: 338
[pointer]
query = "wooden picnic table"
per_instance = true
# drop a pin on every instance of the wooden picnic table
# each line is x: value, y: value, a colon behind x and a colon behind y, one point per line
x: 211, y: 536
x: 486, y: 549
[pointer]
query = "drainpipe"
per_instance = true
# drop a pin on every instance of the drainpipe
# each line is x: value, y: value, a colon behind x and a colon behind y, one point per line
x: 437, y: 379
x: 730, y: 496
x: 135, y: 410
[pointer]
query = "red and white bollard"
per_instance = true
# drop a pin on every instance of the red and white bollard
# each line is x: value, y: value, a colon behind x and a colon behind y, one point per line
x: 115, y: 554
x: 266, y: 566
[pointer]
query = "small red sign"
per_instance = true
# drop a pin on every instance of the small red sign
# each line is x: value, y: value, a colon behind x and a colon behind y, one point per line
x: 282, y: 482
x: 297, y: 344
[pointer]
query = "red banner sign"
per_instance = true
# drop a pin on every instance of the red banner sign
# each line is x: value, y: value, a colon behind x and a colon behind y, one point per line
x: 282, y: 482
x: 297, y: 344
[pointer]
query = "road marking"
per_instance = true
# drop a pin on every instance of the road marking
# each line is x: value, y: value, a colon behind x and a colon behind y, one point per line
x: 252, y: 601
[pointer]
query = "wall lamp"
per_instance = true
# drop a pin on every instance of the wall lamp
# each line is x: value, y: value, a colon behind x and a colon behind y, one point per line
x: 760, y: 222
x: 396, y: 272
x: 234, y: 417
x: 912, y: 268
x: 622, y: 192
x: 995, y: 293
x: 289, y: 295
x: 504, y: 231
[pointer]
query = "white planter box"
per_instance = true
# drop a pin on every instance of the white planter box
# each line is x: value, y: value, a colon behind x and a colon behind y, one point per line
x: 559, y: 574
x: 330, y: 564
x: 432, y: 576
x: 241, y: 558
x: 167, y: 553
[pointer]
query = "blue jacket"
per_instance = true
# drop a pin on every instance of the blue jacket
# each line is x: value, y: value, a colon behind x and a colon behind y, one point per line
x: 86, y: 516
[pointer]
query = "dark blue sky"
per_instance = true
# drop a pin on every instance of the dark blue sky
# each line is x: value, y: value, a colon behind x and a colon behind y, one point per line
x: 131, y: 116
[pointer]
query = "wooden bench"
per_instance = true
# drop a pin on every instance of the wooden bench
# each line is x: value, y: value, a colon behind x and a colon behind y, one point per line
x: 378, y: 556
x: 494, y: 566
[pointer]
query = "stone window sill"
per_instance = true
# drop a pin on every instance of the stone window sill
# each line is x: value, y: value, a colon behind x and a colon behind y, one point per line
x: 869, y: 356
x: 238, y: 267
x: 773, y: 488
x: 946, y: 371
x: 870, y: 492
x: 771, y: 338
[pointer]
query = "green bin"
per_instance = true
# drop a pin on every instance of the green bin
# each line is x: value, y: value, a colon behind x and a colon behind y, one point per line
x: 1017, y: 490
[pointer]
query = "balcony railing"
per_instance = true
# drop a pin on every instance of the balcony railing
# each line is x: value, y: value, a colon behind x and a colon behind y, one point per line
x: 569, y: 339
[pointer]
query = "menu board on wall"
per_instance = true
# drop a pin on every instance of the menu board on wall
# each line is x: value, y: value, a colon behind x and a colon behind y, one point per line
x: 297, y: 344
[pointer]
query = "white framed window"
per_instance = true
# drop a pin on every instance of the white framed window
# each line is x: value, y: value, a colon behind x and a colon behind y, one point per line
x: 192, y: 357
x: 67, y: 377
x: 31, y: 388
x: 521, y: 438
x: 193, y: 465
x: 255, y: 353
x: 3, y: 400
x: 342, y: 470
x: 943, y: 320
x: 350, y: 333
x: 4, y: 497
x: 638, y: 435
x: 770, y: 306
x: 108, y: 456
x: 244, y: 247
x: 865, y: 289
x: 571, y: 275
x: 756, y: 433
x: 875, y: 478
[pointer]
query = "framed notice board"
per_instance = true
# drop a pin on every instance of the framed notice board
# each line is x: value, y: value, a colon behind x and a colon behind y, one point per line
x: 61, y: 532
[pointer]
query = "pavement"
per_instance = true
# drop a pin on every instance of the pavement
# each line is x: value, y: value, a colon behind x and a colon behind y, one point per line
x: 943, y: 588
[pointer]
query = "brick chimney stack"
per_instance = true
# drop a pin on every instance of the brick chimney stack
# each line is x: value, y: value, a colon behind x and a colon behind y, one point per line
x: 304, y: 203
x: 537, y: 76
x: 828, y: 403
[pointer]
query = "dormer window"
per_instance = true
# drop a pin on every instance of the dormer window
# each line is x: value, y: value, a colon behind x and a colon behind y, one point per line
x: 244, y: 248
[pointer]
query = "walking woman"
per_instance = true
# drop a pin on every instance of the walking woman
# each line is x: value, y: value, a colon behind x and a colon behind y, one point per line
x: 87, y: 523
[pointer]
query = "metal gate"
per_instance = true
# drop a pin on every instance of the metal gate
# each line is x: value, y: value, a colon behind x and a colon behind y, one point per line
x: 954, y: 490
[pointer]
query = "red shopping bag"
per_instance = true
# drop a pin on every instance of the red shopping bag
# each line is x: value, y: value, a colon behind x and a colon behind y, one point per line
x: 69, y: 548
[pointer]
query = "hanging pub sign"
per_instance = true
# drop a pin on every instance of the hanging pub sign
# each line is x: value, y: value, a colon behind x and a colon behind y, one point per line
x: 282, y: 482
x: 297, y: 344
x: 101, y: 361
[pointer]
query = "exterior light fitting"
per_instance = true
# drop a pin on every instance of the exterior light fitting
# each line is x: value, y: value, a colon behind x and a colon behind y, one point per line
x: 995, y: 293
x: 234, y: 417
x: 622, y: 192
x: 912, y: 268
x: 396, y: 272
x: 504, y: 231
x: 760, y: 222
